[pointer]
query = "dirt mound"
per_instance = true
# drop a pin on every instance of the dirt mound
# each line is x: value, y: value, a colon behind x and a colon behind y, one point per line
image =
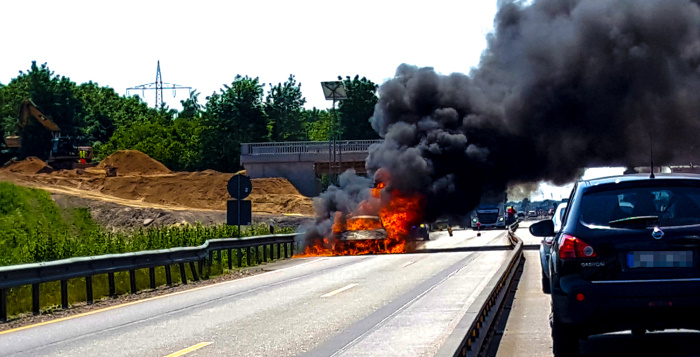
x: 143, y: 181
x: 131, y: 162
x: 273, y: 186
x: 30, y: 165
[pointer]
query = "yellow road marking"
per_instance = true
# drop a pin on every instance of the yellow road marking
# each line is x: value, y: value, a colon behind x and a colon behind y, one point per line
x: 189, y: 349
x: 334, y: 292
x: 150, y: 299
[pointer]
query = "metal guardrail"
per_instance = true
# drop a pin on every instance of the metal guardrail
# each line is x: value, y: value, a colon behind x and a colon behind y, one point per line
x: 62, y: 270
x: 468, y: 337
x: 306, y: 147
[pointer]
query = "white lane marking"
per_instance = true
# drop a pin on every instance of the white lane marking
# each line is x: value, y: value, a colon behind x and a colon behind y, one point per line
x: 334, y: 292
x: 156, y: 298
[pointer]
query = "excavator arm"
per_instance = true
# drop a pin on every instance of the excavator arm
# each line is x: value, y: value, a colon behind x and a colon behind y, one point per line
x: 29, y: 109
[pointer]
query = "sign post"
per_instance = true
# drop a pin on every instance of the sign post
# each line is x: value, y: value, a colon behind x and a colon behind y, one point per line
x: 239, y: 211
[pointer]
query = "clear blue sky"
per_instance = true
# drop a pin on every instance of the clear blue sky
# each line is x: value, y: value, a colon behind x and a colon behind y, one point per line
x: 204, y: 44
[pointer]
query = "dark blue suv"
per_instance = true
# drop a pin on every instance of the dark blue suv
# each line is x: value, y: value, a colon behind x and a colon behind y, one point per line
x: 627, y: 258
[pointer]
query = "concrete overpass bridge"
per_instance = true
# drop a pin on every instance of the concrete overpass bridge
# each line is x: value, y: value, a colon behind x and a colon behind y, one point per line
x: 303, y: 162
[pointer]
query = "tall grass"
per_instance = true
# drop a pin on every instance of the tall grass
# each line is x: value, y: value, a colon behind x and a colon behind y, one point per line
x: 34, y: 229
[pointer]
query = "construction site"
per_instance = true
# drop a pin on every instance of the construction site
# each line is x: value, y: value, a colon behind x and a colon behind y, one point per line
x: 129, y: 189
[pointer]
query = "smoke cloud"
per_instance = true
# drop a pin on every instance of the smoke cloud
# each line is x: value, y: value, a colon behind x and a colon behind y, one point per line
x: 562, y: 85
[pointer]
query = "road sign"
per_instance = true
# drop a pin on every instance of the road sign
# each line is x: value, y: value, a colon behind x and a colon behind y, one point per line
x: 239, y: 212
x: 239, y: 186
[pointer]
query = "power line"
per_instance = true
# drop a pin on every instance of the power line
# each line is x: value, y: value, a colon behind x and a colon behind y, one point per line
x: 158, y: 86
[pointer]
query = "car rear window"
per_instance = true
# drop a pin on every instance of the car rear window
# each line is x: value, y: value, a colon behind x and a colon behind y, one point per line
x: 674, y: 206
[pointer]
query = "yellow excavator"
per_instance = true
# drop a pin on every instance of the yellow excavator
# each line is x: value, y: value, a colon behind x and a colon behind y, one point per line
x: 64, y: 153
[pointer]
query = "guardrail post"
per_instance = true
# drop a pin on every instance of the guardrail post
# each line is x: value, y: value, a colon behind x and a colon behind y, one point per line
x: 35, y: 299
x: 264, y: 247
x: 168, y: 275
x: 88, y: 289
x: 230, y: 259
x: 211, y: 257
x: 239, y: 252
x: 112, y: 286
x: 132, y: 280
x: 64, y: 294
x: 200, y: 265
x: 152, y: 277
x: 253, y: 257
x: 195, y: 276
x: 183, y: 275
x: 3, y: 305
x: 284, y: 250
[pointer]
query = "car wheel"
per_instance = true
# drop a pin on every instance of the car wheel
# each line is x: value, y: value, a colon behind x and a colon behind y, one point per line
x: 565, y: 341
x: 546, y: 288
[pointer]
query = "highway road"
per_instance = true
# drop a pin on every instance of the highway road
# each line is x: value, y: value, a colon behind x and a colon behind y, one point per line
x: 382, y: 305
x: 527, y: 332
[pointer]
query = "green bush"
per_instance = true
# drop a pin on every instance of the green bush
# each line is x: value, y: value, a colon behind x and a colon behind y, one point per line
x: 34, y: 229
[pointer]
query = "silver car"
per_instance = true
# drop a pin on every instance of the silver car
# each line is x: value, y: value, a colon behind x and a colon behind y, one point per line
x: 546, y: 246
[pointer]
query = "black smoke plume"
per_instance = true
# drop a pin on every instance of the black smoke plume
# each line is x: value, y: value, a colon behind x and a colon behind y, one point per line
x: 562, y: 85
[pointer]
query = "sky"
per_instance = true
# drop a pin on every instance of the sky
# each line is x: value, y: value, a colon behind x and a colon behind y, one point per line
x: 205, y: 44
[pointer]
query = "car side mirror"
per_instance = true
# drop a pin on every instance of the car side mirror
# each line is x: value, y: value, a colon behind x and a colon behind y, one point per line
x: 542, y: 228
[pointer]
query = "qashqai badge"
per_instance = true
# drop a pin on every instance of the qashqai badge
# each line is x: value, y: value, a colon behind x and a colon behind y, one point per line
x: 657, y: 233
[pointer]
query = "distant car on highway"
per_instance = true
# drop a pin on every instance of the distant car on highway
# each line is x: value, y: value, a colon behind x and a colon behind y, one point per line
x: 532, y: 214
x: 546, y: 245
x: 521, y: 215
x: 626, y: 258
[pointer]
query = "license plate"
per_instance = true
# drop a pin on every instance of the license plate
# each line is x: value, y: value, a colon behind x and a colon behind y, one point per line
x: 660, y: 259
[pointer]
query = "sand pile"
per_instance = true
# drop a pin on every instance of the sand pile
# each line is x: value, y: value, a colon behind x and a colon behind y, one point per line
x: 134, y: 162
x: 31, y: 165
x: 273, y: 186
x: 145, y: 180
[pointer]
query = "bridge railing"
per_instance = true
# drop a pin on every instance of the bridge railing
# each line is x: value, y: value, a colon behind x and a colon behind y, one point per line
x: 306, y: 147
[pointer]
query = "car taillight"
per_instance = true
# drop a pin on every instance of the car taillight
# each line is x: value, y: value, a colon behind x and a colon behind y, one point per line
x: 571, y: 247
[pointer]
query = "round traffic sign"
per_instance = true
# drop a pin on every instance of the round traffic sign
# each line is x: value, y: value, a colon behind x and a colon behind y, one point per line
x: 239, y: 186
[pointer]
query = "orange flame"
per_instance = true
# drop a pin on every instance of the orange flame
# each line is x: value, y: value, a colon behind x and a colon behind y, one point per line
x: 397, y: 211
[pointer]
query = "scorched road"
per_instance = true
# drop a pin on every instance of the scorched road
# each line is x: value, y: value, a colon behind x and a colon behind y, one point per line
x: 401, y: 304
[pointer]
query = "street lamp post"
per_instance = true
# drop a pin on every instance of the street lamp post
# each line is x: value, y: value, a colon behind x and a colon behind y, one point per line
x: 334, y: 90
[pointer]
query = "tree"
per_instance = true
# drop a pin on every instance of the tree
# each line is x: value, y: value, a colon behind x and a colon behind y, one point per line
x: 357, y: 109
x: 175, y: 143
x: 53, y: 94
x: 317, y: 124
x: 284, y: 107
x: 232, y: 117
x: 191, y: 107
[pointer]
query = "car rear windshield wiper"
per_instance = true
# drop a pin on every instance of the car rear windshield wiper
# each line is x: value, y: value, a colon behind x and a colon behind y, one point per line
x: 642, y: 221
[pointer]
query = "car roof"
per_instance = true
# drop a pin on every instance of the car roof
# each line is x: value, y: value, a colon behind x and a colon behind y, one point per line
x: 638, y: 177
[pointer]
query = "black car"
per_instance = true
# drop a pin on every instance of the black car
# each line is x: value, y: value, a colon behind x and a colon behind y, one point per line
x: 627, y: 258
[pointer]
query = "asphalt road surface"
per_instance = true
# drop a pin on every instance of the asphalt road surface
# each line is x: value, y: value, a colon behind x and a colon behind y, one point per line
x: 527, y: 332
x: 382, y: 305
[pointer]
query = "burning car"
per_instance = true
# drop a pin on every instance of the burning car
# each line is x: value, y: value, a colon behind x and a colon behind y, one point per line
x: 367, y: 227
x: 365, y: 234
x: 363, y: 228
